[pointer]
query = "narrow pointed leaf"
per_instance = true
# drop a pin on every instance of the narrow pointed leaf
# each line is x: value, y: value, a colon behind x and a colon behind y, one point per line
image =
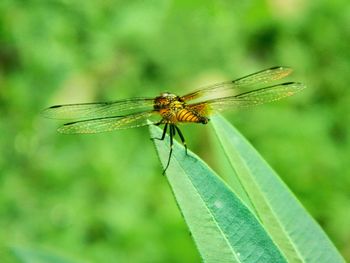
x: 295, y: 232
x: 223, y: 228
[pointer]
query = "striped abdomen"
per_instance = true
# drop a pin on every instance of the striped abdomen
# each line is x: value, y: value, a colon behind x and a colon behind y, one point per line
x: 185, y: 115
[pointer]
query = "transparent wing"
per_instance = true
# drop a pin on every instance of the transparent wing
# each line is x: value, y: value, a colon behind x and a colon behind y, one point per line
x: 254, y: 97
x: 110, y: 123
x: 228, y: 88
x: 98, y: 109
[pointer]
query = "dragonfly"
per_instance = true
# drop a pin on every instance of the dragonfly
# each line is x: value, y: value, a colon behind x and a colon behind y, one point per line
x: 170, y: 110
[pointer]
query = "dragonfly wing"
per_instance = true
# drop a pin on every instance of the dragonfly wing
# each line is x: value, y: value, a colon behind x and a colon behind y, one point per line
x: 97, y: 110
x: 228, y: 88
x: 109, y: 123
x: 254, y: 97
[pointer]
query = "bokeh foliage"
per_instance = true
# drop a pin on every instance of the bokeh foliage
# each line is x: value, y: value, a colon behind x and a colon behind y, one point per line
x: 102, y: 197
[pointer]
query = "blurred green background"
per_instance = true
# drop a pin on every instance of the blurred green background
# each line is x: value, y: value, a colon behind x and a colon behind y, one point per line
x: 102, y: 198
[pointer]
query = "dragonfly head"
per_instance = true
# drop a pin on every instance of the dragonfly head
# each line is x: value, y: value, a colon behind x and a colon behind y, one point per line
x: 165, y: 100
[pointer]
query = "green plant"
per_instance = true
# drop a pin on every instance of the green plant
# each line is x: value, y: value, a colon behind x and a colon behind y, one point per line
x: 261, y: 221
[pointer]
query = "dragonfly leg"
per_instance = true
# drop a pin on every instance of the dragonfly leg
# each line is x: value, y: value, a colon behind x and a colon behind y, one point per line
x: 182, y: 138
x: 171, y: 134
x: 163, y: 134
x: 159, y: 122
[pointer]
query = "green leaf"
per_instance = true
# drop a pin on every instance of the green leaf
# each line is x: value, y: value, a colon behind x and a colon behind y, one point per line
x: 223, y: 228
x: 27, y: 255
x: 296, y: 234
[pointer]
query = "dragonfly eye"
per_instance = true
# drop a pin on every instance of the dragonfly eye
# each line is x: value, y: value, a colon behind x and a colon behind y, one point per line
x: 168, y: 95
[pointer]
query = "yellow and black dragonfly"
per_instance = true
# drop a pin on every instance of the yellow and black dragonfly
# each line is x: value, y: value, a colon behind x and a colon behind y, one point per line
x: 170, y: 110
